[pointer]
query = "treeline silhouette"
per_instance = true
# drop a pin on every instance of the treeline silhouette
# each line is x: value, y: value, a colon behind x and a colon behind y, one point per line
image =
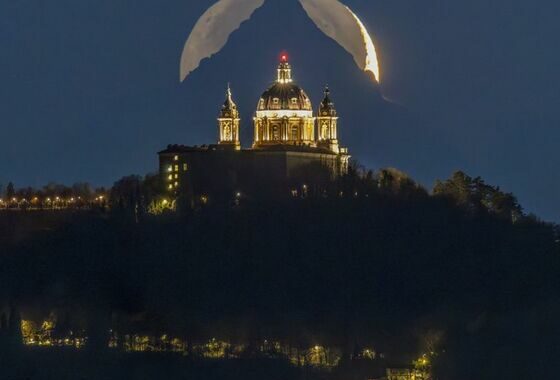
x: 460, y: 275
x: 51, y: 197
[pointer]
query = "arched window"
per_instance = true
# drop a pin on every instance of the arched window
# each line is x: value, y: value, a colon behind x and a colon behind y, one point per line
x: 324, y: 132
x: 275, y: 132
x: 227, y: 133
x: 295, y: 133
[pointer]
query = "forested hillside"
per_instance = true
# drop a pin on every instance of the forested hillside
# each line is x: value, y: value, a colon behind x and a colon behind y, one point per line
x: 460, y: 276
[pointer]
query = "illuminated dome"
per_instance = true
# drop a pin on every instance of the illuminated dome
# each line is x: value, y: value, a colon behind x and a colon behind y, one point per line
x: 284, y: 95
x: 284, y: 114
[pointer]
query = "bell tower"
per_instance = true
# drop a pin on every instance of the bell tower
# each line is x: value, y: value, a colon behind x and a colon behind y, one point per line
x: 228, y: 123
x: 327, y: 124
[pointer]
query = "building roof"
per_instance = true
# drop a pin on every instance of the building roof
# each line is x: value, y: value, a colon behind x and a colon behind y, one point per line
x: 284, y: 94
x: 229, y: 108
x: 326, y: 107
x: 171, y: 149
x: 178, y: 149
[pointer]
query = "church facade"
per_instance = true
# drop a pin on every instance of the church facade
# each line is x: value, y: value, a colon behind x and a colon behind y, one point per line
x: 291, y: 146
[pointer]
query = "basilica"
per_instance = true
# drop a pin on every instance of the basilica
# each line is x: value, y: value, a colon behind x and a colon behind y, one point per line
x: 291, y: 146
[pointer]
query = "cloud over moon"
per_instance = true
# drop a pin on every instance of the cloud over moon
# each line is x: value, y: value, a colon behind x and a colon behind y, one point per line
x: 333, y: 18
x: 212, y: 31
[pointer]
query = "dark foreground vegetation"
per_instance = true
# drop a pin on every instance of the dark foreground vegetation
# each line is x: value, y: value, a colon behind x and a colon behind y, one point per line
x: 460, y: 282
x: 72, y: 365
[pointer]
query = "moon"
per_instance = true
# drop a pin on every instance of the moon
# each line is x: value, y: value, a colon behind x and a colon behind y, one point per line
x: 372, y: 62
x: 212, y: 31
x: 336, y: 20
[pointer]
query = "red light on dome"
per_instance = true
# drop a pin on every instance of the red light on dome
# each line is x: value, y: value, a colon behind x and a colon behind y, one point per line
x: 284, y: 58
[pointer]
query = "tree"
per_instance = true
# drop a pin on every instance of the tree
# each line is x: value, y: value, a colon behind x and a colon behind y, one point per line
x: 54, y: 190
x: 458, y: 188
x: 504, y: 205
x: 152, y: 188
x: 395, y: 182
x: 10, y: 191
x: 15, y: 338
x: 126, y: 195
x: 82, y: 190
x: 477, y: 196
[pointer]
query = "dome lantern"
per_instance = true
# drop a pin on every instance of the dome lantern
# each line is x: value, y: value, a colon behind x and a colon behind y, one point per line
x: 284, y: 71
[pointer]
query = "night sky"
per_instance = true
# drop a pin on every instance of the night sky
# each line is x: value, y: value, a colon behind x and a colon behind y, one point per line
x: 90, y: 90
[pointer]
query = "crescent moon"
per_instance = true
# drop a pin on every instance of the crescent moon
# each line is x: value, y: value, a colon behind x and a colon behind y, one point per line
x: 372, y: 62
x: 336, y: 20
x: 212, y: 31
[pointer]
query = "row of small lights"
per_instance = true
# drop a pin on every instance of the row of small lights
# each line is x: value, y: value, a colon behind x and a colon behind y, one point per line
x: 48, y: 200
x: 295, y: 192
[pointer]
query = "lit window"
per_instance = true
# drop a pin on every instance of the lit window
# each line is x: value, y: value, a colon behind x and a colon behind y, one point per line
x: 176, y: 184
x: 170, y: 168
x: 176, y: 158
x: 176, y: 176
x: 185, y: 167
x: 170, y: 177
x: 176, y: 168
x: 170, y: 187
